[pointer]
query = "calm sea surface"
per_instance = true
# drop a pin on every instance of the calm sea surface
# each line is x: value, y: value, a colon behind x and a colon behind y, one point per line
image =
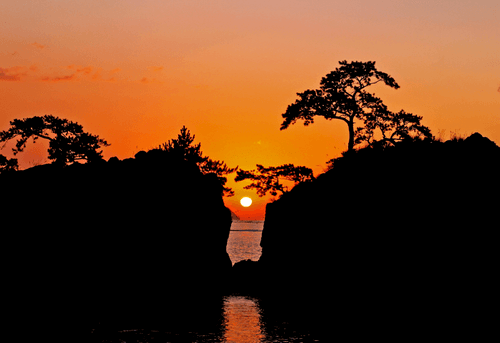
x: 242, y: 317
x: 244, y: 241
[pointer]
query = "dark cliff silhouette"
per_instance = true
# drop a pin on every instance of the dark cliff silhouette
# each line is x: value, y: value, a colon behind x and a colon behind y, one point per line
x: 116, y: 239
x: 397, y: 241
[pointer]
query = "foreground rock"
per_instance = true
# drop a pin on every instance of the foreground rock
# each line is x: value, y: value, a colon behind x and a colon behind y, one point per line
x: 120, y: 238
x: 246, y: 277
x: 401, y: 240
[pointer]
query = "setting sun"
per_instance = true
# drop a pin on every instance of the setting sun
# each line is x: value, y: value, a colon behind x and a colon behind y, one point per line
x: 245, y: 201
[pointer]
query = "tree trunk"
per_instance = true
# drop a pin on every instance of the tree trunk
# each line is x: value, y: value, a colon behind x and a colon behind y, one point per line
x: 350, y: 124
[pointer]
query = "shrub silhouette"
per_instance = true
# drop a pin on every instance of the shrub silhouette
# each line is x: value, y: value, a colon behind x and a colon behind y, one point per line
x: 8, y: 165
x: 183, y: 148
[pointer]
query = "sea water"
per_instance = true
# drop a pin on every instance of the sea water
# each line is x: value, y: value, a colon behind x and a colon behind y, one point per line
x: 244, y: 241
x: 242, y: 318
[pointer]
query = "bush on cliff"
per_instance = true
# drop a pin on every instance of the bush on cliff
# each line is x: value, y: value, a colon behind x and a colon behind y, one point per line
x: 184, y: 149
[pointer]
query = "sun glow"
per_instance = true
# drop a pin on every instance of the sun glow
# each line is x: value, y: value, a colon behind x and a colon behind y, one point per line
x: 245, y: 201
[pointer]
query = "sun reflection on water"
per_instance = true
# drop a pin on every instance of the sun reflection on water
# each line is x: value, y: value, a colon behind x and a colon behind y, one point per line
x: 242, y: 320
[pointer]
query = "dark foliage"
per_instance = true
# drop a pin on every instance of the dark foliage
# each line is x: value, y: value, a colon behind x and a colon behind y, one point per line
x: 68, y: 142
x: 8, y: 165
x: 183, y: 148
x: 343, y: 95
x: 269, y: 179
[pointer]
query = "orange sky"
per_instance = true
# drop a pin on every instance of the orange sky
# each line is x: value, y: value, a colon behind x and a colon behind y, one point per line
x: 134, y: 72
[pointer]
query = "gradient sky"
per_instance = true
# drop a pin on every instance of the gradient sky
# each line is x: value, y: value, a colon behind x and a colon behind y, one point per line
x: 134, y: 72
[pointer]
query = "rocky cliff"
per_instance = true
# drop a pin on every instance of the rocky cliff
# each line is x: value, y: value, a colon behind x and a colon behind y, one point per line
x: 117, y: 237
x: 396, y: 239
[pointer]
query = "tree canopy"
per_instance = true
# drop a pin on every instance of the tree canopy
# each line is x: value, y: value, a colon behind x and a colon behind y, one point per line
x: 183, y: 147
x: 269, y: 179
x: 343, y: 95
x: 68, y: 142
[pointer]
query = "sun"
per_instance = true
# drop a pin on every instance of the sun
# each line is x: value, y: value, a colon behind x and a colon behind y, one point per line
x: 245, y: 201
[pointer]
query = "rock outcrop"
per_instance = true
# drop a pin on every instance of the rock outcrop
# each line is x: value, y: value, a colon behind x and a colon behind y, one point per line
x: 246, y: 277
x: 117, y: 237
x: 402, y: 238
x: 234, y: 216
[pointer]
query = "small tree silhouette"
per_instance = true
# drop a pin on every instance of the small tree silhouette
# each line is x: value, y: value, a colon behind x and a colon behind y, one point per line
x: 183, y: 148
x: 68, y: 142
x: 342, y: 95
x: 8, y: 165
x: 269, y: 179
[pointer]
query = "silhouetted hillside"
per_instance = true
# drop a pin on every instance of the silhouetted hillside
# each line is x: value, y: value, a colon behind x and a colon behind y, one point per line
x: 402, y: 238
x: 116, y: 238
